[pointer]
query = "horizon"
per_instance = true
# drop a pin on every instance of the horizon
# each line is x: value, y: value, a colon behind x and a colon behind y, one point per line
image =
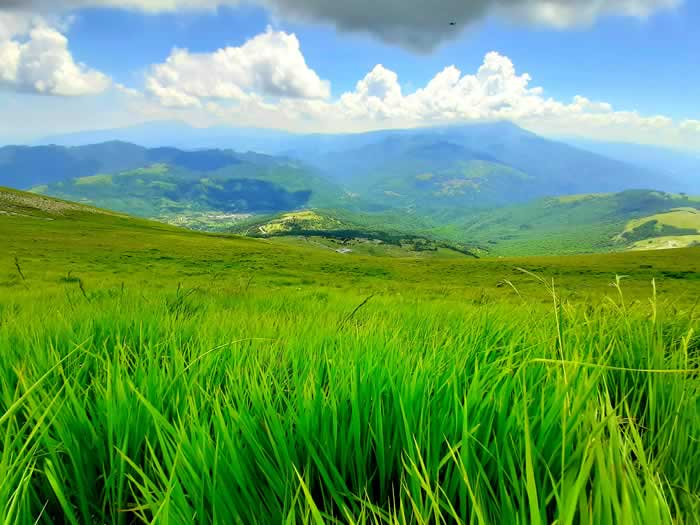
x: 65, y: 139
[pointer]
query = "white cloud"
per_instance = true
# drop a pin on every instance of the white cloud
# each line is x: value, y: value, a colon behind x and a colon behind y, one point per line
x: 415, y: 24
x: 121, y: 88
x: 43, y: 64
x: 496, y: 91
x: 14, y: 23
x: 268, y: 65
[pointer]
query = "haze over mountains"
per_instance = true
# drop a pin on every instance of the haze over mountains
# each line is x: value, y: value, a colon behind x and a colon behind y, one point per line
x: 679, y: 168
x: 494, y: 184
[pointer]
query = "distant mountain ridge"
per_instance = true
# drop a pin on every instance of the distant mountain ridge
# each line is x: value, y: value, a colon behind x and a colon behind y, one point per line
x: 514, y: 165
x: 683, y: 167
x: 494, y: 183
x: 365, y: 161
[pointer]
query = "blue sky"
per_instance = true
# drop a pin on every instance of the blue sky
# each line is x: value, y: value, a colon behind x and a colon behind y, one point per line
x: 635, y: 69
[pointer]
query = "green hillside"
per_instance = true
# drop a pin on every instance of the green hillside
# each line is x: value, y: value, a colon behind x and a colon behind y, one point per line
x: 153, y: 374
x: 465, y: 189
x: 353, y: 233
x: 169, y: 191
x: 589, y: 223
x: 576, y: 223
x: 678, y: 222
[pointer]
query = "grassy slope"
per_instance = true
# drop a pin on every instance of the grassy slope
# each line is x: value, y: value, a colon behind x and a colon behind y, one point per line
x: 682, y: 218
x: 570, y: 224
x: 151, y: 374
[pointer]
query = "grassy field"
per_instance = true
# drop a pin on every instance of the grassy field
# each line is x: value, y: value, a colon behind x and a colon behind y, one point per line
x: 156, y: 375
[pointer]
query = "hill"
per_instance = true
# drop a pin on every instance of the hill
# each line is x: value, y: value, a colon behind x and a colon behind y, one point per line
x: 346, y: 233
x: 676, y: 228
x: 580, y: 223
x: 588, y: 223
x: 483, y: 186
x: 210, y: 186
x: 28, y: 220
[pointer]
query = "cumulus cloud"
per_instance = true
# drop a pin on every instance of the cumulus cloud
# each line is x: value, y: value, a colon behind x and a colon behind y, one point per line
x: 14, y: 23
x: 43, y: 64
x: 268, y: 65
x: 416, y: 24
x: 496, y: 91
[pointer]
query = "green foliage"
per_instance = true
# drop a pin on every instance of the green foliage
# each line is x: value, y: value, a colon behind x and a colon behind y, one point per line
x: 154, y: 375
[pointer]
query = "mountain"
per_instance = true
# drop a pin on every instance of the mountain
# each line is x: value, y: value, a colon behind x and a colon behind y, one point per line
x: 491, y: 185
x: 26, y: 166
x: 473, y: 166
x: 167, y: 182
x: 682, y: 167
x: 380, y: 164
x: 180, y: 135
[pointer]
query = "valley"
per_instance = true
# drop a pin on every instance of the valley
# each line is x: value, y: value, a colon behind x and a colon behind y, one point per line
x: 479, y: 188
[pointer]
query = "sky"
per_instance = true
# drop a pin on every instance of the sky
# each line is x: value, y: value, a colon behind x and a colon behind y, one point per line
x: 616, y: 70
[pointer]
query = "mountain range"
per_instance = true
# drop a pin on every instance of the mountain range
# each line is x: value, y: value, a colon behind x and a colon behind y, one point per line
x: 681, y: 167
x: 494, y: 185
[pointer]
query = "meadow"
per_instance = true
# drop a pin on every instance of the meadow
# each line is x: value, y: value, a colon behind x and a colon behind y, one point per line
x: 155, y: 375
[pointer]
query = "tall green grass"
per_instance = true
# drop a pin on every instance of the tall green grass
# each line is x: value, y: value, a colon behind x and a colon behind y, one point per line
x: 125, y: 405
